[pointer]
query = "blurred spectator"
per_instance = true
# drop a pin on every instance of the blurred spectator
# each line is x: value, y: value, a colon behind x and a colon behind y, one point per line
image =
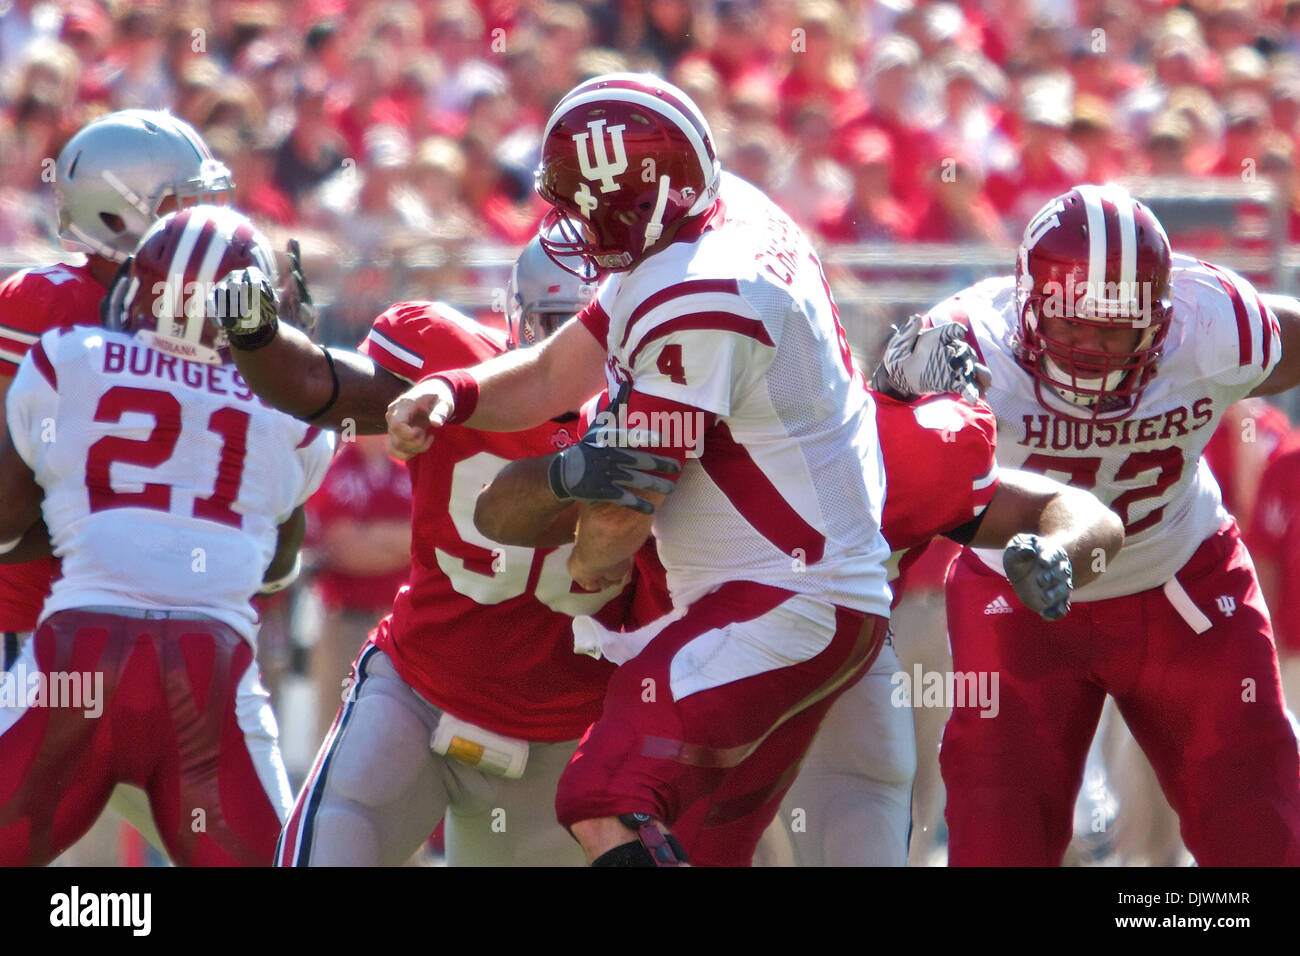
x: 313, y: 149
x: 1243, y: 140
x: 1247, y: 439
x: 1104, y: 153
x: 972, y: 91
x: 871, y: 214
x: 1272, y: 537
x: 1168, y: 144
x: 1048, y: 164
x: 22, y: 22
x: 437, y: 174
x: 818, y: 63
x: 141, y: 79
x: 812, y: 182
x: 361, y: 529
x: 897, y: 108
x: 958, y: 210
x: 251, y: 162
x: 753, y: 153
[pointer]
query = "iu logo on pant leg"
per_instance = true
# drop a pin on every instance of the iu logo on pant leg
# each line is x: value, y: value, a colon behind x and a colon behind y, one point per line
x: 599, y: 165
x: 1227, y: 604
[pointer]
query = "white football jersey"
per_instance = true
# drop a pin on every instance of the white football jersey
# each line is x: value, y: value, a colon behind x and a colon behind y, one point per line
x: 165, y: 480
x: 1147, y: 467
x: 739, y: 323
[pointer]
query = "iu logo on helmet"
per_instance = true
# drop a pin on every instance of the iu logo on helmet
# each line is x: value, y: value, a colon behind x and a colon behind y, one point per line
x: 599, y: 166
x: 1227, y: 604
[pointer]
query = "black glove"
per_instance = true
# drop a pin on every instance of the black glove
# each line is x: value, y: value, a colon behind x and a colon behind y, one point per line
x: 296, y: 306
x: 245, y: 304
x: 1041, y: 577
x: 608, y: 462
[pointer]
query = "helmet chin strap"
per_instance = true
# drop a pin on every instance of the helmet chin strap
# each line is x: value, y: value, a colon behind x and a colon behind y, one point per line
x: 655, y: 229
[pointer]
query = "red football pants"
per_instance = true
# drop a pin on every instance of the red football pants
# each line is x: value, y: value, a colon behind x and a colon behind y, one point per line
x: 735, y: 745
x: 167, y: 723
x: 1205, y: 707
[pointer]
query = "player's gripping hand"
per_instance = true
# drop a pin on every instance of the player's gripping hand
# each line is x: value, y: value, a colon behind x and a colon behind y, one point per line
x: 919, y: 361
x: 415, y: 414
x: 296, y: 306
x: 607, y: 465
x: 1041, y: 575
x: 245, y: 304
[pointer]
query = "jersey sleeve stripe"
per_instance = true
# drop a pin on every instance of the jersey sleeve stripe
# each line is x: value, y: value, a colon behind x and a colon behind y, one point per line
x: 715, y: 321
x: 1266, y: 323
x: 43, y: 365
x: 677, y: 291
x: 1239, y: 311
x: 18, y: 335
x: 11, y: 357
x: 596, y: 321
x: 985, y: 480
x: 408, y: 364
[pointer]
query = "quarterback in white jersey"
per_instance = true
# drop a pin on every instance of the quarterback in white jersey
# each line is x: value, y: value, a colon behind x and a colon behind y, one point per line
x: 1112, y: 360
x: 170, y: 493
x: 715, y: 321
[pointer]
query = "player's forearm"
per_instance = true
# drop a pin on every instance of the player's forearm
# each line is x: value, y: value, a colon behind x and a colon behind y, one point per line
x: 1089, y: 532
x: 526, y: 387
x: 518, y: 507
x: 1024, y: 502
x: 1286, y: 374
x: 35, y: 544
x: 293, y: 374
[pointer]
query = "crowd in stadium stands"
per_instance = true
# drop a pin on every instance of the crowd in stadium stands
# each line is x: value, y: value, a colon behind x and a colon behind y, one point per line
x: 406, y: 121
x: 380, y: 129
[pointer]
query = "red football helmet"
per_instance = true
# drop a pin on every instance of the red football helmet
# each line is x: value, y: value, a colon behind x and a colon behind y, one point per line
x: 1092, y: 257
x: 172, y: 285
x: 623, y: 156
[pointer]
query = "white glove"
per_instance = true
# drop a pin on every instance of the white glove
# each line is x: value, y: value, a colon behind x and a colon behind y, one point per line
x: 1042, y: 577
x: 920, y: 361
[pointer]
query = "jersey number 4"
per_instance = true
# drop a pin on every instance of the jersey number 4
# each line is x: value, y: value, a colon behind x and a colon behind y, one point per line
x: 230, y: 424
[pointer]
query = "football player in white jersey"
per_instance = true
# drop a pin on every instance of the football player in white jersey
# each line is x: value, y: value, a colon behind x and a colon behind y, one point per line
x: 172, y: 496
x: 1111, y: 360
x: 715, y: 310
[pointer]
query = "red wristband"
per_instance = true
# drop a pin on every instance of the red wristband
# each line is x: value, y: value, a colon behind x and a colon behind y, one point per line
x: 464, y: 390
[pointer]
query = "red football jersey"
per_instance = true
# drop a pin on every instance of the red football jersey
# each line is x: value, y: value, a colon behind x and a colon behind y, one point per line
x: 483, y: 630
x: 1272, y: 537
x: 940, y: 470
x: 32, y: 302
x: 356, y: 489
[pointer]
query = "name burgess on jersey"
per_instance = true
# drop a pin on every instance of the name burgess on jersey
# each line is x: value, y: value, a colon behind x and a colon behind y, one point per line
x: 141, y: 360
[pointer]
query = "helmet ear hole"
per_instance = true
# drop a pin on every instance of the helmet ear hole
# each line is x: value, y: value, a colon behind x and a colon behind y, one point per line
x: 113, y: 221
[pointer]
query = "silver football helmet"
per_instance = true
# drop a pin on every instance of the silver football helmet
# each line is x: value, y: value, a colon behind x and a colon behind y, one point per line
x: 541, y: 296
x: 115, y: 173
